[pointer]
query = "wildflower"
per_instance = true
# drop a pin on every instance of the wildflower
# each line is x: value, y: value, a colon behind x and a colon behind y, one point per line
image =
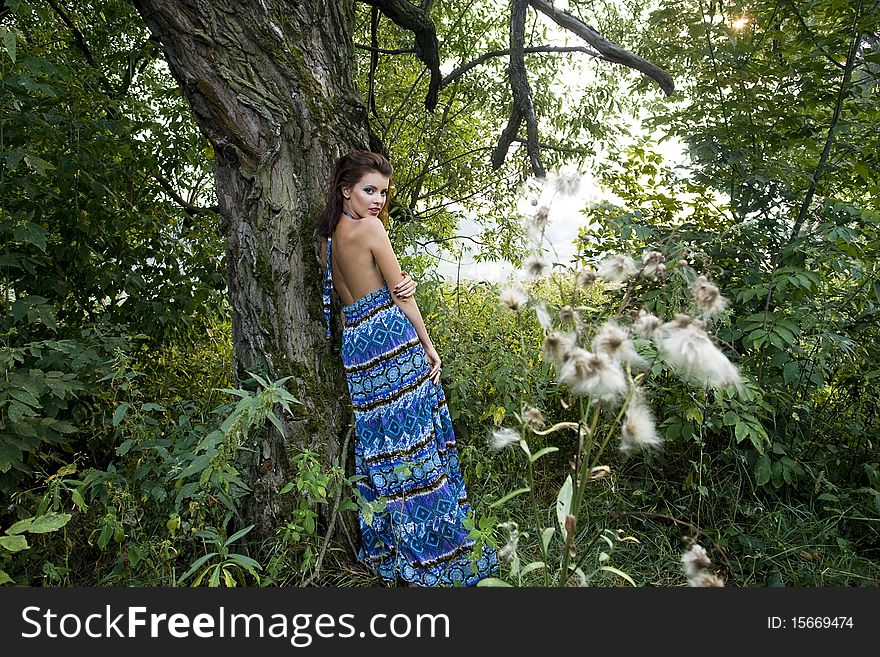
x: 513, y: 297
x: 685, y: 344
x: 645, y: 324
x: 535, y: 266
x: 557, y: 346
x: 617, y: 268
x: 568, y: 315
x: 533, y: 418
x: 586, y: 278
x: 638, y: 429
x: 567, y: 184
x: 707, y: 296
x: 501, y: 438
x: 594, y: 375
x: 614, y: 342
x: 653, y: 264
x: 543, y: 316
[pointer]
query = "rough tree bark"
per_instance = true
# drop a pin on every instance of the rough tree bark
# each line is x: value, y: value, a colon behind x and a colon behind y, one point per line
x: 270, y: 83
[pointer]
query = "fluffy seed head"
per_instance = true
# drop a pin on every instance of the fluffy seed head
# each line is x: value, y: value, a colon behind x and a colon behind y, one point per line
x: 594, y: 375
x: 533, y: 418
x: 617, y: 268
x: 567, y: 184
x: 614, y: 342
x: 638, y: 430
x: 501, y: 438
x: 568, y: 315
x: 586, y: 278
x: 513, y: 297
x: 543, y: 316
x: 541, y: 217
x: 645, y: 325
x: 653, y: 264
x: 535, y: 266
x: 557, y: 346
x: 708, y: 297
x: 684, y: 343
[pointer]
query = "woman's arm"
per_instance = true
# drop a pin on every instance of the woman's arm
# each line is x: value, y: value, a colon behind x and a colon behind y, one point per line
x: 383, y: 253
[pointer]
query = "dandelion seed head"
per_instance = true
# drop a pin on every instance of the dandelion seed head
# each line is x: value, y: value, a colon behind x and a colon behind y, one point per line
x: 533, y: 418
x: 617, y: 268
x: 501, y: 438
x: 638, y: 430
x: 513, y: 297
x: 682, y: 263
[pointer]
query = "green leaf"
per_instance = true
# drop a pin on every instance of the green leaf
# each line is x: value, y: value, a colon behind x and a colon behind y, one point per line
x: 563, y: 505
x: 119, y: 413
x: 493, y: 581
x: 5, y: 579
x: 509, y: 496
x: 49, y: 522
x: 541, y: 452
x: 762, y: 470
x: 198, y: 563
x: 13, y: 543
x: 546, y: 535
x: 9, y: 44
x: 237, y: 535
x: 619, y: 573
x: 535, y: 565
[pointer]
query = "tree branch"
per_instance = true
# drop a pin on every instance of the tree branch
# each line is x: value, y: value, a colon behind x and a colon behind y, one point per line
x: 386, y: 51
x: 610, y: 51
x: 416, y: 20
x: 82, y: 46
x: 188, y: 207
x: 464, y: 68
x: 519, y: 84
x: 835, y: 118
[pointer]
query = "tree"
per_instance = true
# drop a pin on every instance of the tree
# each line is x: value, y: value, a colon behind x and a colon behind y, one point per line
x: 271, y: 86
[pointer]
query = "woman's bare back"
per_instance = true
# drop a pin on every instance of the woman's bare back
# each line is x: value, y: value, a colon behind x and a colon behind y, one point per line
x: 355, y: 272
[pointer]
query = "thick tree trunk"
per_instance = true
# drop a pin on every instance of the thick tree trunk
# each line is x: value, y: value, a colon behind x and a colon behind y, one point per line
x: 270, y: 83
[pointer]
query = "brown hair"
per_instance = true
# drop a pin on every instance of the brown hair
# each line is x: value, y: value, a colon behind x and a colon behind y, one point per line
x: 350, y: 168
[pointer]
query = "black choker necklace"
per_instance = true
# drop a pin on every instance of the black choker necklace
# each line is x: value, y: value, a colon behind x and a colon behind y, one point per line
x: 349, y: 214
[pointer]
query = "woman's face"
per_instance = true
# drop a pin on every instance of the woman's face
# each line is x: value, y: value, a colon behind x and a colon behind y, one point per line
x: 367, y: 197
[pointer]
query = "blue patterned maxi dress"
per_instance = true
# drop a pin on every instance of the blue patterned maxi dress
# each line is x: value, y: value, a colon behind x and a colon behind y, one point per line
x: 405, y: 450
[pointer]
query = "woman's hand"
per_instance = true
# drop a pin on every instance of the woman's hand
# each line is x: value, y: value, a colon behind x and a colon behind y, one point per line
x: 406, y: 288
x: 434, y: 360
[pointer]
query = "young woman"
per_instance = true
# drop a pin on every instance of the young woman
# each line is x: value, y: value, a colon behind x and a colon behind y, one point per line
x: 405, y: 446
